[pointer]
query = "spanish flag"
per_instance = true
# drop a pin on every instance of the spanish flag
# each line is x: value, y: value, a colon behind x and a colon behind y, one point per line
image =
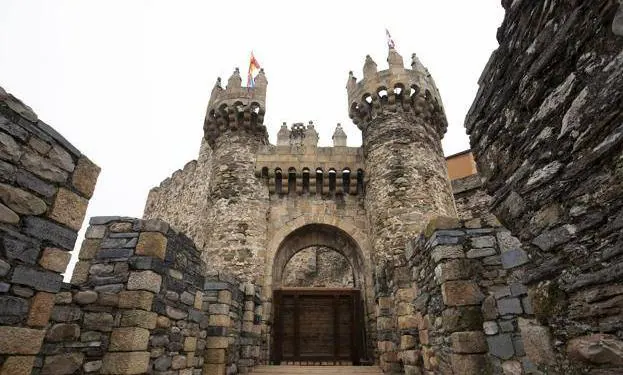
x: 254, y: 66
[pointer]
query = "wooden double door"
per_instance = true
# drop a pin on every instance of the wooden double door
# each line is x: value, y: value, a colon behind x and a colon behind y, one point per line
x: 317, y: 325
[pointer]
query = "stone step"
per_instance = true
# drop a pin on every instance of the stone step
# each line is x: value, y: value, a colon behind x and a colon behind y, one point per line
x: 313, y: 370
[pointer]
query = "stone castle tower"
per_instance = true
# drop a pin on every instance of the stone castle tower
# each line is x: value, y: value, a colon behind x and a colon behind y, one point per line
x: 424, y: 277
x: 400, y: 114
x: 248, y: 185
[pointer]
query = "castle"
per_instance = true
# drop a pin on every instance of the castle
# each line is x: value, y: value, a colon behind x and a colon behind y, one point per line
x: 387, y: 255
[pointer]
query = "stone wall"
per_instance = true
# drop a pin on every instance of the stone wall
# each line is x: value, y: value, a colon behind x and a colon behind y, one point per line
x: 45, y: 186
x: 454, y: 306
x: 181, y: 199
x: 141, y: 302
x: 318, y: 267
x: 546, y: 131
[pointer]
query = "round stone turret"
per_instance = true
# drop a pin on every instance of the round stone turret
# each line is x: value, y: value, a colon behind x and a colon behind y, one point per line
x: 411, y: 91
x: 236, y: 108
x: 401, y: 117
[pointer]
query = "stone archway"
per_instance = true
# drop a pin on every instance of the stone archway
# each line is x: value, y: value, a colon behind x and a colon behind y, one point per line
x: 351, y: 302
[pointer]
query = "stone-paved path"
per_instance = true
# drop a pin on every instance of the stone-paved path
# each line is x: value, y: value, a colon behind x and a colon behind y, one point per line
x: 319, y: 370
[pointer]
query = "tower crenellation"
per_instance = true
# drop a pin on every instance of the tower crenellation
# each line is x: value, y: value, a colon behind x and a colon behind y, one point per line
x: 412, y: 91
x: 236, y: 107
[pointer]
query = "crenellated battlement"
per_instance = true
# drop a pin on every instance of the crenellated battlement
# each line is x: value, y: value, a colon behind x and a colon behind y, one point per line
x: 412, y: 91
x: 236, y: 107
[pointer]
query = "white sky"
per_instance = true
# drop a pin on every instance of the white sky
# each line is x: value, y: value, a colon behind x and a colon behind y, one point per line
x: 127, y: 82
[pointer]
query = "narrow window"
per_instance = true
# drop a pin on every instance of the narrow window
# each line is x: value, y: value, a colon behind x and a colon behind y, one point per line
x: 319, y: 181
x: 359, y: 181
x: 305, y: 180
x: 346, y: 181
x: 278, y: 181
x: 332, y: 181
x: 291, y: 181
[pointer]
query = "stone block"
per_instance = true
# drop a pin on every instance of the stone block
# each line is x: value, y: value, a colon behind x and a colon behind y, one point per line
x: 69, y: 208
x: 461, y: 293
x: 599, y: 349
x: 224, y: 296
x: 501, y: 346
x: 469, y: 342
x: 128, y: 363
x: 48, y: 231
x: 63, y: 332
x: 216, y: 342
x: 466, y: 318
x: 190, y: 344
x: 85, y: 297
x: 219, y: 320
x: 36, y: 164
x: 39, y: 280
x: 61, y: 158
x: 214, y: 369
x: 145, y: 280
x: 62, y: 364
x: 92, y: 366
x: 152, y: 244
x: 85, y: 176
x: 98, y: 321
x: 514, y: 258
x: 21, y: 201
x: 537, y: 342
x: 441, y: 222
x: 80, y: 274
x: 442, y: 252
x: 136, y: 300
x: 469, y: 364
x: 17, y: 340
x: 8, y: 216
x: 40, y: 309
x: 30, y: 182
x: 481, y: 253
x: 138, y: 318
x: 54, y: 259
x: 125, y: 339
x: 17, y: 365
x: 483, y: 242
x: 66, y: 313
x: 12, y: 309
x: 509, y: 306
x: 18, y: 247
x: 95, y: 231
x: 455, y: 269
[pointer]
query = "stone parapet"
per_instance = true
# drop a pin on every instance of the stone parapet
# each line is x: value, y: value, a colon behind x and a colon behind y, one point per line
x: 410, y: 91
x: 236, y: 108
x: 45, y: 187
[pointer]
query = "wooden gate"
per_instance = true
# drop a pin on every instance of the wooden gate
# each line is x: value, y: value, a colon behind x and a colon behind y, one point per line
x: 317, y: 325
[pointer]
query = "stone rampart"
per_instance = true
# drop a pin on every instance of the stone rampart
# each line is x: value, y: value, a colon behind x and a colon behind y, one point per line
x: 141, y: 302
x: 45, y: 186
x: 455, y: 306
x: 546, y: 130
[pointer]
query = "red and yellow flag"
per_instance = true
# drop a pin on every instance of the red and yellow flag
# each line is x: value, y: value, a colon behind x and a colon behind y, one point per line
x: 254, y: 66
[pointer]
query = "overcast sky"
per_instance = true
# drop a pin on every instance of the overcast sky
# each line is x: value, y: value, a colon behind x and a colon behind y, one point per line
x: 127, y: 82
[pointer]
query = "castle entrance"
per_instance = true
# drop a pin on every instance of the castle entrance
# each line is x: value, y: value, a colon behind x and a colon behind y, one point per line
x: 317, y: 325
x: 318, y: 310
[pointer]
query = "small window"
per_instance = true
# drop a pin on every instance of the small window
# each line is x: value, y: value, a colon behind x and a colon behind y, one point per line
x: 305, y: 180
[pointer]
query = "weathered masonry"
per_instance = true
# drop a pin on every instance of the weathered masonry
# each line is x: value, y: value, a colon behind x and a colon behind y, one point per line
x: 386, y: 255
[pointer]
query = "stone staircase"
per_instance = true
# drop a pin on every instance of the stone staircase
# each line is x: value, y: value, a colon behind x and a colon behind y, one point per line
x: 319, y: 370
